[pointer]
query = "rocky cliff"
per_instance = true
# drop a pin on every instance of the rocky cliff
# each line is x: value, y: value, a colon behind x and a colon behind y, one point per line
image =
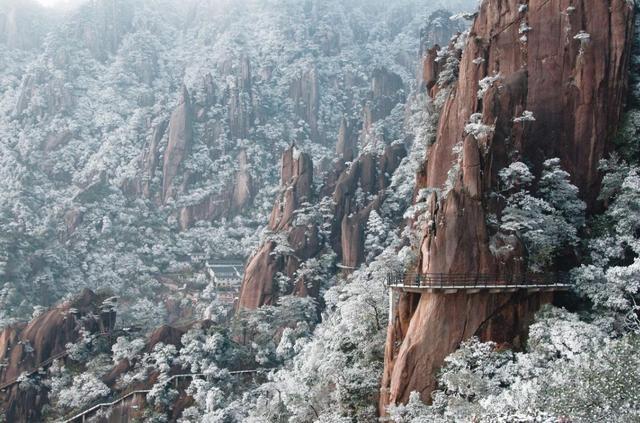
x: 564, y: 61
x: 180, y: 140
x: 355, y: 189
x: 259, y: 286
x: 25, y: 347
x: 353, y: 185
x: 170, y: 146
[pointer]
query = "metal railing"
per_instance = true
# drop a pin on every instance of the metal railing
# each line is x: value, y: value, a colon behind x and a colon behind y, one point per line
x: 405, y: 280
x: 143, y: 392
x: 45, y: 363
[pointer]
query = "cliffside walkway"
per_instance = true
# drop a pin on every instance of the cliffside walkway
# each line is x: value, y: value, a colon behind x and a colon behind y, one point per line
x: 142, y: 393
x: 451, y: 283
x: 46, y: 363
x: 63, y: 354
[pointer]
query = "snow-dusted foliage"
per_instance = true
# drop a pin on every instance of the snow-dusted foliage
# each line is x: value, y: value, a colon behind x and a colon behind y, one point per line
x: 611, y: 279
x: 87, y: 201
x: 78, y: 116
x: 570, y: 368
x: 547, y: 223
x: 84, y: 389
x: 334, y: 375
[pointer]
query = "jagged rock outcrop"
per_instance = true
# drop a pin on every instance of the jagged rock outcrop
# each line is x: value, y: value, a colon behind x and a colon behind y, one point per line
x: 575, y: 87
x: 430, y: 69
x: 151, y: 158
x: 366, y: 177
x: 346, y: 147
x: 111, y: 21
x: 180, y: 140
x: 178, y: 134
x: 240, y: 99
x: 133, y: 408
x: 242, y: 193
x: 26, y: 89
x: 387, y: 91
x: 259, y: 286
x: 296, y: 182
x: 23, y: 347
x: 355, y: 183
x: 56, y: 96
x: 231, y: 202
x: 356, y: 190
x: 305, y: 94
x: 439, y: 29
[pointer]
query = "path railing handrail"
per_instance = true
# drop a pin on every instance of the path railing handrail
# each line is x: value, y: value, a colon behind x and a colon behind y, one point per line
x: 36, y: 368
x: 475, y: 280
x: 124, y: 397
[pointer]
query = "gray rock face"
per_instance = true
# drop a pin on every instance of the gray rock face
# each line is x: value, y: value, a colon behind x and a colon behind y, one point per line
x: 231, y: 202
x: 240, y: 99
x: 151, y: 157
x: 24, y: 98
x: 180, y: 140
x: 243, y: 187
x: 305, y: 93
x: 58, y: 97
x: 439, y: 30
x: 347, y: 140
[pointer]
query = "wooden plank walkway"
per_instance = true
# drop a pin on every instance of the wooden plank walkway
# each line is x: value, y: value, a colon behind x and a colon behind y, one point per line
x: 451, y: 283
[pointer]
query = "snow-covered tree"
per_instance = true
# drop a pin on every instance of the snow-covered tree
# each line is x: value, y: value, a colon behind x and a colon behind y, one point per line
x: 376, y: 234
x: 85, y: 388
x: 612, y: 278
x: 548, y: 223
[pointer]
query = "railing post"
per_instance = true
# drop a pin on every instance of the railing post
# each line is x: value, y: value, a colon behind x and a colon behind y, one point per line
x: 390, y: 307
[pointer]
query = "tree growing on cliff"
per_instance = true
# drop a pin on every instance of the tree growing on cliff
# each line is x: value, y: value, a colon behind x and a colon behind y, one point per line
x: 612, y: 278
x: 85, y: 388
x: 547, y: 223
x: 480, y: 382
x: 376, y: 233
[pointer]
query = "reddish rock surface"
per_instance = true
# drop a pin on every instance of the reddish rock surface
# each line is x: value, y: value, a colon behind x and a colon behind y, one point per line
x: 259, y: 286
x: 23, y: 347
x: 368, y: 174
x: 575, y: 90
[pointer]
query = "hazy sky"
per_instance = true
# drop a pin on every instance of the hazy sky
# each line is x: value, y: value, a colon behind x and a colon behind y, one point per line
x: 50, y: 3
x: 57, y: 3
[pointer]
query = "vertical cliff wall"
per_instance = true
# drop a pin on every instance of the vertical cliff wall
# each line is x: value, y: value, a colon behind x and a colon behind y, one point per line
x: 366, y: 177
x: 566, y: 62
x: 259, y: 286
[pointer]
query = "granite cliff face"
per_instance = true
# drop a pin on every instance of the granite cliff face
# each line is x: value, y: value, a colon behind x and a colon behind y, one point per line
x: 259, y: 286
x: 355, y: 184
x: 564, y: 61
x: 170, y: 146
x: 23, y: 347
x: 355, y: 188
x: 180, y: 140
